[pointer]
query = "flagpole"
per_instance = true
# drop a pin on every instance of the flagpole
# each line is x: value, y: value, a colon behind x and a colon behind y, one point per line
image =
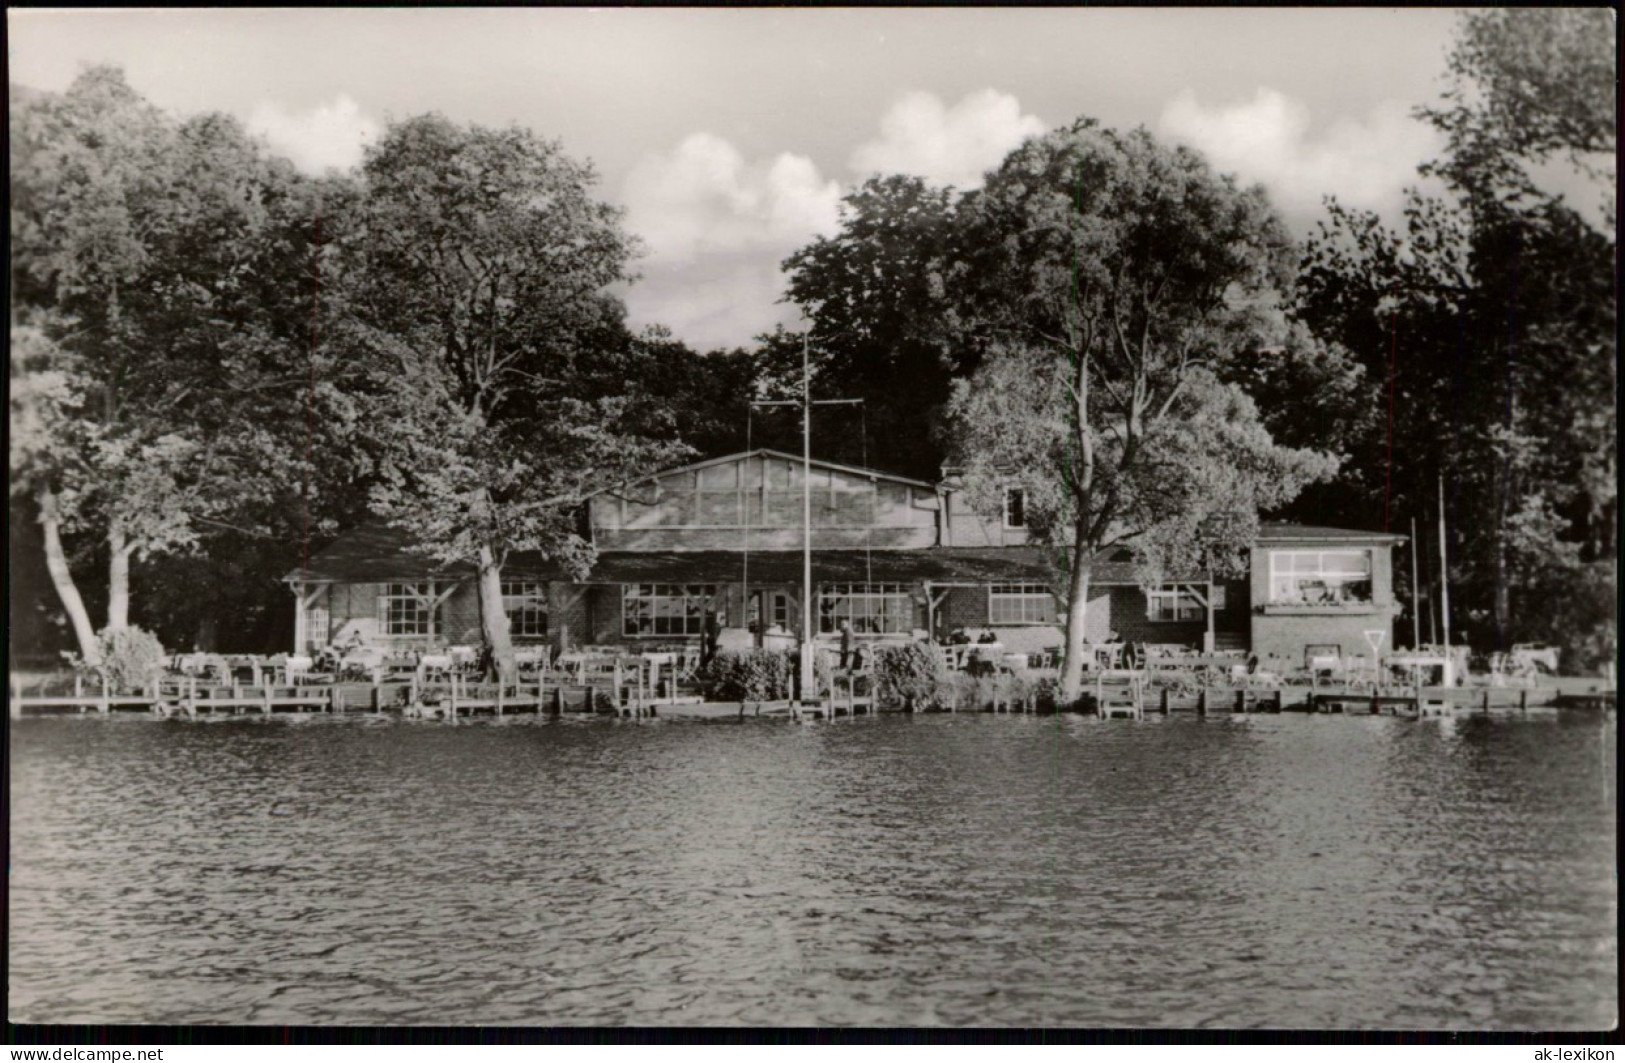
x: 1416, y: 591
x: 1444, y: 581
x: 808, y: 690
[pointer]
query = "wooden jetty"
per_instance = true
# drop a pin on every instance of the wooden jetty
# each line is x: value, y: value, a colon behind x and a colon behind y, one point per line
x: 638, y: 690
x: 171, y: 697
x: 455, y: 697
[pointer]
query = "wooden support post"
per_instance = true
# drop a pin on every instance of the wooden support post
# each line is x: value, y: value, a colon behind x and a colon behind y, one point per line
x: 266, y: 707
x: 1376, y: 704
x: 1201, y: 702
x: 1486, y: 703
x: 1523, y: 701
x: 1241, y: 701
x: 103, y: 707
x: 1163, y: 699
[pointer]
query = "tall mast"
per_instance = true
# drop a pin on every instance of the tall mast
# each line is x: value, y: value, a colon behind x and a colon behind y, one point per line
x: 1444, y: 569
x: 808, y: 687
x: 1416, y: 591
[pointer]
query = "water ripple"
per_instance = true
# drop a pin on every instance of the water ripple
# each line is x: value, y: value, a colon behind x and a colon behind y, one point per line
x: 1228, y: 872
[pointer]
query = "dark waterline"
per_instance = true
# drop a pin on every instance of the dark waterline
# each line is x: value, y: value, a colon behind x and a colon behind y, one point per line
x: 1227, y: 872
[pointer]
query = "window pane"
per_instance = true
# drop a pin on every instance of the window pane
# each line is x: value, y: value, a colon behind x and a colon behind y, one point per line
x: 1353, y: 563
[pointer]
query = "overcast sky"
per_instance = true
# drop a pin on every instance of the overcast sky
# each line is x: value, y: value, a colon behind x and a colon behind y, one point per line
x: 730, y: 135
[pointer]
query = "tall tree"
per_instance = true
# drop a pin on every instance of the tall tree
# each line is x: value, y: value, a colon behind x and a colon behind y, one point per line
x: 44, y: 407
x: 477, y: 272
x: 1490, y: 312
x: 1107, y: 277
x: 1528, y: 85
x: 877, y: 309
x: 151, y: 252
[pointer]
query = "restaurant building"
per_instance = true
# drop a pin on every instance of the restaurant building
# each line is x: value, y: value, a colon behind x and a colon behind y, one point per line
x: 899, y: 558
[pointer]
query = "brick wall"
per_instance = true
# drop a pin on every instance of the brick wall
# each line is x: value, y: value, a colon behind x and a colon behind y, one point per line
x: 964, y: 607
x: 458, y: 621
x: 1281, y: 638
x: 566, y: 620
x: 1130, y: 620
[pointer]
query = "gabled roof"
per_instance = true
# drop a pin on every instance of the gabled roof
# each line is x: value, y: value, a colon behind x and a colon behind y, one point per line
x: 382, y: 553
x: 767, y: 452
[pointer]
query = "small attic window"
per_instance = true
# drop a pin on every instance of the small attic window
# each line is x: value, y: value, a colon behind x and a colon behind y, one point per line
x: 1015, y: 507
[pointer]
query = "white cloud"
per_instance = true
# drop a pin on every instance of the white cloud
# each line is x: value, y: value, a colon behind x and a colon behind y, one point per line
x: 717, y: 301
x: 716, y: 227
x: 1365, y: 163
x: 717, y: 224
x: 331, y: 136
x: 703, y: 197
x: 946, y: 145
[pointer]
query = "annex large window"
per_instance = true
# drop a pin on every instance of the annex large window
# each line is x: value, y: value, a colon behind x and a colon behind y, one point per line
x: 665, y: 608
x: 1020, y: 603
x: 405, y: 608
x: 873, y: 608
x: 1015, y: 507
x: 526, y: 606
x: 1320, y: 577
x: 1171, y: 602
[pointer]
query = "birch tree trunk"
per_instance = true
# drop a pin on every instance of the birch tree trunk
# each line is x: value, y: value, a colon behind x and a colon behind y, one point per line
x: 494, y: 619
x: 57, y: 562
x: 1077, y: 616
x: 118, y: 580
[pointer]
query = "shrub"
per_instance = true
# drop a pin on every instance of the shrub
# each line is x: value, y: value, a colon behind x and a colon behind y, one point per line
x: 748, y: 675
x: 909, y: 674
x: 759, y: 675
x: 131, y: 657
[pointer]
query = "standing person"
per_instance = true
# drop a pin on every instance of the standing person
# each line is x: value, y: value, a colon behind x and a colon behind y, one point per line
x: 708, y: 642
x: 846, y: 643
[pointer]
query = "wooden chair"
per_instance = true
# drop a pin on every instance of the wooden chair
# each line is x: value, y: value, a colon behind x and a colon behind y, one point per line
x: 534, y: 659
x: 1119, y: 693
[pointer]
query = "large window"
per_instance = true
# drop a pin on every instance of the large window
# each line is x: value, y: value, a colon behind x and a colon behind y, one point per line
x: 1020, y: 603
x: 404, y: 608
x: 526, y: 606
x: 1171, y: 602
x: 1015, y: 507
x: 1320, y: 577
x: 873, y: 608
x: 666, y: 608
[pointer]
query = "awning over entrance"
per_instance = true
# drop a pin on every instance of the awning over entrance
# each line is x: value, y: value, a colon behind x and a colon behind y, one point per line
x: 944, y: 565
x: 381, y: 554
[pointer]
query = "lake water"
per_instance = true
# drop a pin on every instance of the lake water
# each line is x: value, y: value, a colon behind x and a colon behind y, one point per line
x: 1232, y: 872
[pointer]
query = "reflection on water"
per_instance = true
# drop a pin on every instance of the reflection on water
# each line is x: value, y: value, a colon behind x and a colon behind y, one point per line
x: 1263, y: 871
